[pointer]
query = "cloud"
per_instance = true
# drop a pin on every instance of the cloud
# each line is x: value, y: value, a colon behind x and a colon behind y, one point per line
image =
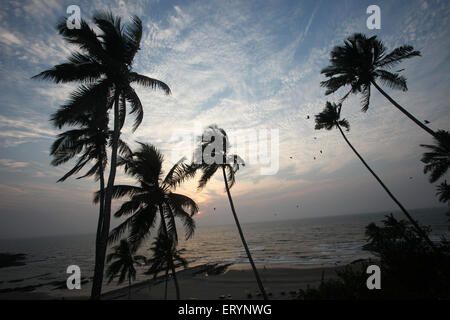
x: 13, y: 164
x: 9, y: 38
x: 15, y: 131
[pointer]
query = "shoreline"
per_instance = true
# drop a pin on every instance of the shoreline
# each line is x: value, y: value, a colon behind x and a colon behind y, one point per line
x: 211, y: 281
x: 235, y: 282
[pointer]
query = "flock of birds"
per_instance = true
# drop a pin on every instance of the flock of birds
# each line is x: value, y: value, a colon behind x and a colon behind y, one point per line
x: 321, y: 152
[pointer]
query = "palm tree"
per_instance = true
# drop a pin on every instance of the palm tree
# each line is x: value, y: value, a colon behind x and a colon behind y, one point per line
x: 360, y: 63
x: 151, y: 197
x: 438, y: 159
x: 164, y: 254
x: 229, y: 164
x: 330, y: 118
x: 88, y: 142
x: 124, y: 264
x: 104, y: 65
x: 443, y: 192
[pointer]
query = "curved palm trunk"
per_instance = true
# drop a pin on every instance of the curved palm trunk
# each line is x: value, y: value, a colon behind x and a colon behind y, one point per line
x: 244, y: 243
x: 170, y: 261
x: 103, y: 241
x: 102, y: 203
x: 100, y: 215
x: 416, y: 226
x: 409, y: 115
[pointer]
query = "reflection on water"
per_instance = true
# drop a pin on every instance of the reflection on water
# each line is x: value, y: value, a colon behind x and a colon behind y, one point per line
x: 300, y: 243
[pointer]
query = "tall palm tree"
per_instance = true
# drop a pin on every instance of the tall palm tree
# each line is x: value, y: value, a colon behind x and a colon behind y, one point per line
x: 437, y: 161
x: 123, y: 264
x: 103, y: 64
x: 88, y: 143
x: 229, y: 165
x: 360, y: 63
x: 330, y: 118
x: 152, y: 197
x: 164, y: 254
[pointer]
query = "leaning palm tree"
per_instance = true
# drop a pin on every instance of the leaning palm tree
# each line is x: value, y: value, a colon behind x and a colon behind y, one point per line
x: 362, y: 62
x: 437, y: 161
x: 103, y: 64
x: 330, y: 118
x: 164, y: 254
x: 123, y: 264
x: 152, y: 196
x: 215, y: 139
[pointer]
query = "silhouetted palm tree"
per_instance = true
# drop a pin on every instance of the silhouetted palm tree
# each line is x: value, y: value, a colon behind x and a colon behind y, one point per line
x: 88, y: 143
x: 443, y: 192
x: 360, y: 63
x: 438, y: 159
x: 164, y: 254
x: 104, y: 63
x: 151, y: 197
x: 123, y: 264
x: 229, y: 164
x: 330, y: 118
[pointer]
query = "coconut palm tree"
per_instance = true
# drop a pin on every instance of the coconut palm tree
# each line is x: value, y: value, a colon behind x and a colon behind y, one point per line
x: 362, y: 62
x: 211, y: 156
x: 164, y: 254
x: 88, y: 143
x: 103, y: 64
x: 437, y: 161
x: 443, y: 192
x: 123, y: 264
x: 152, y: 196
x: 329, y: 119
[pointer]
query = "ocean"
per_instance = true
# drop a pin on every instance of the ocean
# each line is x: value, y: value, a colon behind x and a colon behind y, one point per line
x: 296, y: 243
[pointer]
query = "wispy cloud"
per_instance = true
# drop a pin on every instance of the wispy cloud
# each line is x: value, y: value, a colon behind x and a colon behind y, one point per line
x: 8, y: 163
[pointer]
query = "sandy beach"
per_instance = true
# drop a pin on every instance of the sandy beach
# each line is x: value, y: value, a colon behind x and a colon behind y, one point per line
x: 234, y: 283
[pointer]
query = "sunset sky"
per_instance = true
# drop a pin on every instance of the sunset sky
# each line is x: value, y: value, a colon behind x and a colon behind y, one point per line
x: 241, y: 65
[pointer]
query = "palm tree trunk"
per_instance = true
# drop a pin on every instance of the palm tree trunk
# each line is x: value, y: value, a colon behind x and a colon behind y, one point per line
x: 167, y: 280
x: 103, y: 241
x: 172, y: 267
x: 175, y: 280
x: 244, y: 243
x: 102, y: 202
x: 101, y: 213
x: 129, y: 287
x: 399, y: 107
x: 419, y: 231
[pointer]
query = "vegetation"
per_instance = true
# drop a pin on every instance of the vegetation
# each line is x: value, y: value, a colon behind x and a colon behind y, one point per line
x: 437, y: 160
x: 152, y: 197
x: 164, y: 255
x: 360, y: 63
x: 216, y: 140
x: 409, y: 268
x: 330, y: 118
x: 123, y: 264
x: 103, y: 65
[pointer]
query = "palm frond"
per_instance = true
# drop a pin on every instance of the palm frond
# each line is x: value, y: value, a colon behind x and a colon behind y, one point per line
x: 392, y: 80
x: 120, y: 191
x: 149, y: 82
x: 397, y: 55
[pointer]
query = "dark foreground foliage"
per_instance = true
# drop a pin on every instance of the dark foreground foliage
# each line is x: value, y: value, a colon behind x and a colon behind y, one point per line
x: 410, y: 269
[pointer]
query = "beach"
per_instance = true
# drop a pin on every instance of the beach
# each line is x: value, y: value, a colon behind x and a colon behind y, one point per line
x: 235, y: 283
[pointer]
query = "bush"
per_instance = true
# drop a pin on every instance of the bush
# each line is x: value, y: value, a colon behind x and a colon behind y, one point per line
x: 410, y: 269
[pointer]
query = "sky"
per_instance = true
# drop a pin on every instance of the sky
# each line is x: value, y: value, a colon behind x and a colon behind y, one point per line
x: 243, y: 65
